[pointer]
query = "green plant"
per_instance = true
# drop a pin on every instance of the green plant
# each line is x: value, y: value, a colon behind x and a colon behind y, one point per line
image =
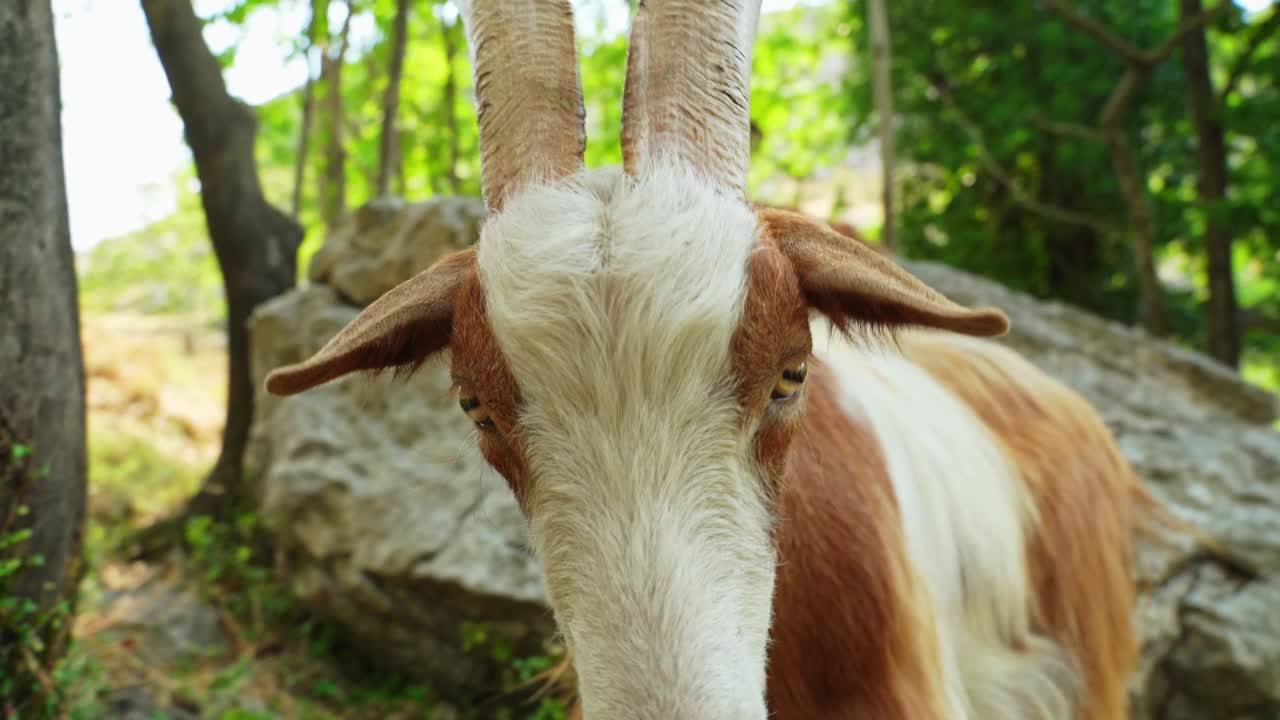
x: 30, y: 633
x: 536, y: 687
x: 231, y: 570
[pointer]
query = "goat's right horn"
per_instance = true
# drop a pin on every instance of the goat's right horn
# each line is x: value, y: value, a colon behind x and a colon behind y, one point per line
x: 688, y: 88
x: 528, y: 96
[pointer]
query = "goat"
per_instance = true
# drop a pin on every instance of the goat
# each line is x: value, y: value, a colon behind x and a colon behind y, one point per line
x: 744, y: 503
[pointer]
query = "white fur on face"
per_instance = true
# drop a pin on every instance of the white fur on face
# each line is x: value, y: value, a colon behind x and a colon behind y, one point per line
x: 614, y: 301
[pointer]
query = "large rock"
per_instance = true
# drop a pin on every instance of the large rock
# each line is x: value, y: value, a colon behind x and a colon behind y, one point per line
x: 389, y: 241
x: 394, y: 525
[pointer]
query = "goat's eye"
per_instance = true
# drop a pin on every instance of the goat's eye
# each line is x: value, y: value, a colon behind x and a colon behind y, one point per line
x: 475, y: 410
x: 790, y: 378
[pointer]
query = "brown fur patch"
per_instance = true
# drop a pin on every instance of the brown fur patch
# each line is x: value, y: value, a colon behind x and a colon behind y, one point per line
x: 846, y: 639
x: 773, y: 330
x: 1080, y: 559
x: 841, y: 227
x: 480, y: 367
x: 848, y: 642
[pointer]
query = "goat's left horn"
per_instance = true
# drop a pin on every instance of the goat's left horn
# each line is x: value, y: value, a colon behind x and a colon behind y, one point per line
x: 528, y: 96
x: 688, y: 88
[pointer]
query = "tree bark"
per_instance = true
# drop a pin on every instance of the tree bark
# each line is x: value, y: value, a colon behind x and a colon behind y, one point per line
x: 389, y: 147
x: 1132, y: 188
x: 256, y: 244
x: 42, y: 405
x: 1144, y: 231
x: 334, y: 187
x: 878, y: 20
x: 304, y: 131
x: 315, y: 28
x: 1211, y: 156
x: 304, y: 145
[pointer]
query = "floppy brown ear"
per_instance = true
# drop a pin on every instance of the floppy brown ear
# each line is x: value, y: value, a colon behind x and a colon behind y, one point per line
x: 402, y: 328
x: 853, y: 284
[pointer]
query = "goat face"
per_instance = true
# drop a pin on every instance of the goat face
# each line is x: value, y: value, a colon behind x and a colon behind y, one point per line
x: 604, y: 314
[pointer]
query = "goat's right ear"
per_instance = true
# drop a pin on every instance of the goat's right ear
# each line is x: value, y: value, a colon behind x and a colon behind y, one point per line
x: 404, y: 327
x: 852, y: 284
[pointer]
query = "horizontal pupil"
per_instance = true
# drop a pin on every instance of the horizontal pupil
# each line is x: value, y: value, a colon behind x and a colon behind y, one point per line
x: 469, y: 404
x: 794, y: 375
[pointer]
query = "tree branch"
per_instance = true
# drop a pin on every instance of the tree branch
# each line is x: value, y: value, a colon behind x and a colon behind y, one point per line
x: 1097, y: 31
x: 1254, y: 319
x: 1113, y: 111
x: 1083, y: 132
x: 1260, y: 33
x: 1005, y: 178
x: 1189, y: 25
x: 1132, y: 54
x: 389, y: 152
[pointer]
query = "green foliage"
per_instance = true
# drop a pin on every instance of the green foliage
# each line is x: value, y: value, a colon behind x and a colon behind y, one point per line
x: 127, y: 464
x: 230, y: 565
x: 800, y: 57
x: 519, y: 674
x: 33, y: 628
x: 1002, y: 80
x: 1010, y: 71
x: 166, y: 267
x: 800, y: 114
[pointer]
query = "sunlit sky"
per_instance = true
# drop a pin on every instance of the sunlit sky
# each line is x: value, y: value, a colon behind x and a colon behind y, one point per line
x: 122, y: 139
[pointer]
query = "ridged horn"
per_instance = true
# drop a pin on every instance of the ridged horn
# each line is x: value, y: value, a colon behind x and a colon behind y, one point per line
x: 528, y: 95
x: 688, y: 88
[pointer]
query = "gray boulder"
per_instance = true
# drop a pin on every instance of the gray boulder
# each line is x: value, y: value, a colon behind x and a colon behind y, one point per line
x: 395, y: 526
x: 389, y: 241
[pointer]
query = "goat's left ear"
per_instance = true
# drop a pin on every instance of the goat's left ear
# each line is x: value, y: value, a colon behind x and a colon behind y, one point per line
x: 404, y: 327
x: 853, y: 284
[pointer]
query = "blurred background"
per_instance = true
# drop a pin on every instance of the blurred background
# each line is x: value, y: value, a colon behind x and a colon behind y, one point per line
x: 240, y: 175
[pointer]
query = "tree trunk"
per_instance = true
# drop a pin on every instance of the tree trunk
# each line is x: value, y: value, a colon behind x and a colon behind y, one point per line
x: 42, y: 406
x: 881, y: 52
x: 1211, y: 155
x: 256, y: 244
x: 1144, y: 231
x: 335, y: 169
x: 300, y: 163
x: 304, y: 143
x: 389, y: 148
x: 317, y: 26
